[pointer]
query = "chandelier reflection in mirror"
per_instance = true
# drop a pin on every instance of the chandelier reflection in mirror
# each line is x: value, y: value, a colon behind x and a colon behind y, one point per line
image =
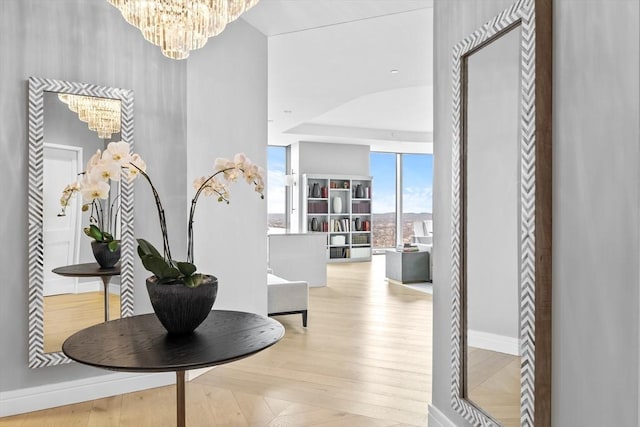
x: 102, y: 115
x: 180, y: 26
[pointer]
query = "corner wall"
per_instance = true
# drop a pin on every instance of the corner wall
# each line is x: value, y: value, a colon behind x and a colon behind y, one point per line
x: 596, y: 133
x: 227, y: 114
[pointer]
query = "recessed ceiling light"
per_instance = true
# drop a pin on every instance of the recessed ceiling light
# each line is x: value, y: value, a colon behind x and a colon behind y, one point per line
x: 394, y: 71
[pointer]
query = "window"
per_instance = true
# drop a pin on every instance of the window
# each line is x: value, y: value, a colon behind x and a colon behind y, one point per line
x: 417, y: 193
x: 276, y: 199
x: 383, y: 203
x: 413, y: 204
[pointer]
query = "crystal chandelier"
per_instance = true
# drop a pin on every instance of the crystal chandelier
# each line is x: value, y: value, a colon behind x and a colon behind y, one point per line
x: 102, y: 115
x: 179, y: 26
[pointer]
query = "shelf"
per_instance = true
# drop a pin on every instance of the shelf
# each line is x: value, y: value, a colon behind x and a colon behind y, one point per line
x: 333, y: 188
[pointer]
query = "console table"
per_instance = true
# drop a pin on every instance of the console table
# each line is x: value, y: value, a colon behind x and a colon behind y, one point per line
x: 92, y: 269
x: 141, y: 344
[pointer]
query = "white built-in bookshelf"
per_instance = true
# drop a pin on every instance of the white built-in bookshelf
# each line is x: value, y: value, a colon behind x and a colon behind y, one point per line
x: 340, y: 207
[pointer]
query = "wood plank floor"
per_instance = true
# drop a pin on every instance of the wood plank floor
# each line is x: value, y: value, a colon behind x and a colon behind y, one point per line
x: 494, y: 384
x: 364, y: 360
x: 66, y: 314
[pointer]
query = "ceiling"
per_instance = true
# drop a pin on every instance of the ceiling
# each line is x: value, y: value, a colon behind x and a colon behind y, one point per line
x: 330, y: 71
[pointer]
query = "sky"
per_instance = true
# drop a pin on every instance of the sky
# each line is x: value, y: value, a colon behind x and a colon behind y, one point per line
x: 417, y: 181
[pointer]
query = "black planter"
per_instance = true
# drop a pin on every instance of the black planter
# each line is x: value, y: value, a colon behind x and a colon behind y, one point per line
x: 104, y: 257
x: 179, y: 308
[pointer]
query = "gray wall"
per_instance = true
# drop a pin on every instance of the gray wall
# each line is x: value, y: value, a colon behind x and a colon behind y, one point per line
x: 595, y: 245
x: 83, y: 41
x: 227, y: 114
x: 88, y: 41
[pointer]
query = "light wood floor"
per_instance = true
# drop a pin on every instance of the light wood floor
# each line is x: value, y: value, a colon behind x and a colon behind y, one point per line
x: 494, y: 384
x: 66, y: 314
x: 363, y: 361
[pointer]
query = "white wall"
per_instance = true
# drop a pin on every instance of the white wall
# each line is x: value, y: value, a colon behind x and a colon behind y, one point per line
x: 596, y: 213
x: 335, y: 159
x: 227, y: 114
x: 492, y: 181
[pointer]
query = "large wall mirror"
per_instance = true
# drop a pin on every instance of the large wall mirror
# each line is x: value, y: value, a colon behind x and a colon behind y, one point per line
x: 68, y: 123
x: 501, y: 219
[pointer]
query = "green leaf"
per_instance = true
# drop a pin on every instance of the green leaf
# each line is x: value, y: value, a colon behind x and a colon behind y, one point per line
x: 186, y: 268
x: 170, y: 274
x: 94, y: 232
x: 161, y: 268
x: 113, y: 245
x: 146, y: 248
x: 107, y: 237
x: 194, y: 281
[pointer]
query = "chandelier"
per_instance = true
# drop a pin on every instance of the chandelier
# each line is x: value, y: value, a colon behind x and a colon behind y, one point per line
x: 102, y: 115
x: 179, y: 26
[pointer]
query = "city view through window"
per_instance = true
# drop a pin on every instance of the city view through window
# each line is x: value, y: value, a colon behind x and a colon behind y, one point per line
x: 417, y: 187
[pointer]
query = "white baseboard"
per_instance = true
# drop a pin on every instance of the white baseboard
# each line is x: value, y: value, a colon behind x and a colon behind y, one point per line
x: 438, y: 419
x: 493, y: 342
x: 59, y: 394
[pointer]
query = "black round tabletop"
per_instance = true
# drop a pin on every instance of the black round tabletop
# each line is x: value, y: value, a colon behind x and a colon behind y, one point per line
x: 90, y: 269
x: 141, y: 344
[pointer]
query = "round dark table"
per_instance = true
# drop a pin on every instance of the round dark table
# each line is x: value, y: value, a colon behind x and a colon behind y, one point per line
x: 141, y: 344
x: 92, y: 269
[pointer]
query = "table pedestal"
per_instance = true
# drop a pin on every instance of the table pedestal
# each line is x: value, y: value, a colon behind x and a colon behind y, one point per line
x: 105, y: 282
x: 141, y: 344
x: 180, y: 399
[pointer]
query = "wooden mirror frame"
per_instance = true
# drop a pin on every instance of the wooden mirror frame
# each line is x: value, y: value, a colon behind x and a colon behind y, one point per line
x: 535, y: 19
x: 37, y: 86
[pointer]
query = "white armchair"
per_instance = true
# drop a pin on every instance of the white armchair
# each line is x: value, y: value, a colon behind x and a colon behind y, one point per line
x: 287, y: 297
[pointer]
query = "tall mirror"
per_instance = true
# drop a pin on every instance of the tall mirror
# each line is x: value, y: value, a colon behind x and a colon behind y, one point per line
x: 68, y: 291
x: 501, y: 248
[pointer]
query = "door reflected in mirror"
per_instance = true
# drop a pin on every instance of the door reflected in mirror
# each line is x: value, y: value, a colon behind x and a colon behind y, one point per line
x: 492, y: 143
x: 74, y: 128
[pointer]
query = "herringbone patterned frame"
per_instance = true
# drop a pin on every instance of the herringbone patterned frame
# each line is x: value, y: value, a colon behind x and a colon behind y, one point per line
x: 522, y: 13
x: 37, y: 86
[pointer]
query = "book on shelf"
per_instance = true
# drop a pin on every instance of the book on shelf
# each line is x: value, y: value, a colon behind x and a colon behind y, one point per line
x: 340, y: 225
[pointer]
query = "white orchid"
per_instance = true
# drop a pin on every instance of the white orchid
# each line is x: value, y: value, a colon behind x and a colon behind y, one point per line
x: 117, y: 161
x: 105, y: 170
x: 132, y: 172
x: 118, y: 152
x: 92, y: 190
x: 211, y: 186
